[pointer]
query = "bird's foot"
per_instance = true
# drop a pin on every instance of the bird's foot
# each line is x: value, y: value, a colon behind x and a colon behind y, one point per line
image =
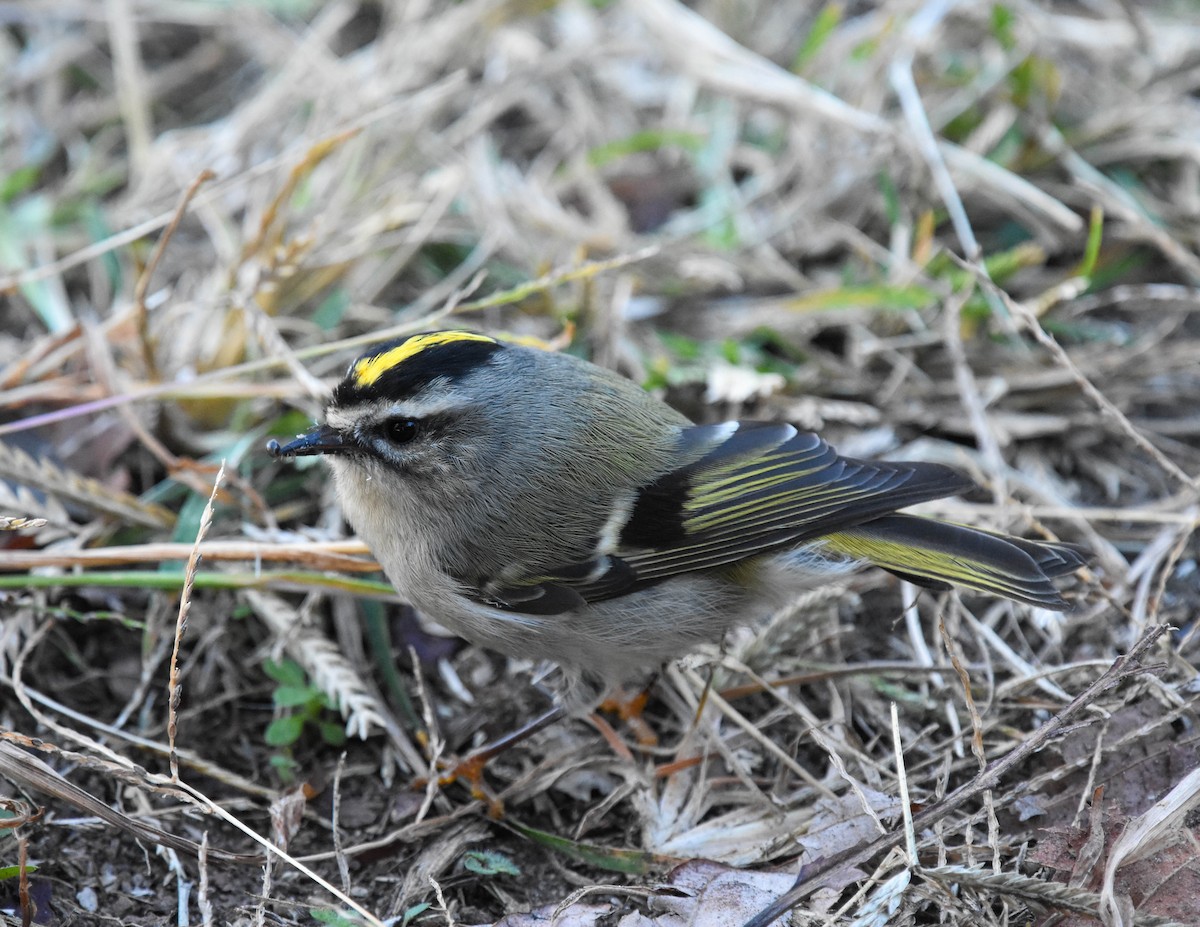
x: 629, y: 709
x: 470, y: 769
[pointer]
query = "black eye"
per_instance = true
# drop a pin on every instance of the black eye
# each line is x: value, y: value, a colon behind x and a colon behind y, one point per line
x: 401, y: 430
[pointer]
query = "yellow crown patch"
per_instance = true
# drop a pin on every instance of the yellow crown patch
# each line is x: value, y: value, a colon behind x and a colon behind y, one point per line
x: 370, y: 369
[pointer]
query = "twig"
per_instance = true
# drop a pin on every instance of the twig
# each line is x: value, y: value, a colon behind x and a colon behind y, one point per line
x: 969, y: 396
x: 143, y: 281
x: 347, y: 556
x: 901, y: 77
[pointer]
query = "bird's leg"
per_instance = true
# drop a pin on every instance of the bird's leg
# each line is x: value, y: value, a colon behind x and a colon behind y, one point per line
x: 469, y: 769
x: 629, y: 709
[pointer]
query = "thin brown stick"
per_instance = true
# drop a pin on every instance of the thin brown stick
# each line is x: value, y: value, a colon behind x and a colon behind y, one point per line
x: 348, y: 556
x: 27, y: 911
x: 143, y: 281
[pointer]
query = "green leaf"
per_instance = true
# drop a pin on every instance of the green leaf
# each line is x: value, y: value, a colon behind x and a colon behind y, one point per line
x: 822, y: 28
x: 891, y: 197
x: 1003, y: 21
x: 336, y: 918
x: 94, y: 220
x: 332, y: 733
x: 331, y: 309
x: 879, y: 296
x: 283, y: 732
x: 27, y: 220
x: 864, y: 50
x: 681, y: 346
x: 414, y: 911
x: 284, y: 766
x: 19, y: 181
x: 647, y: 140
x: 293, y: 696
x: 289, y: 424
x: 897, y: 692
x: 489, y: 863
x: 1119, y: 266
x: 1091, y: 253
x: 613, y: 859
x: 285, y: 672
x: 1036, y: 79
x: 11, y: 872
x: 187, y: 525
x: 379, y: 640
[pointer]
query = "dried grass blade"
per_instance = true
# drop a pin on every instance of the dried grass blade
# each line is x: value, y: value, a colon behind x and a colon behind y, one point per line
x: 40, y: 473
x: 20, y: 766
x: 174, y: 688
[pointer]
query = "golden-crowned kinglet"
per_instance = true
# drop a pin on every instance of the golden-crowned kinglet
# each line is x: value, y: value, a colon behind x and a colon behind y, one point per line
x: 545, y: 507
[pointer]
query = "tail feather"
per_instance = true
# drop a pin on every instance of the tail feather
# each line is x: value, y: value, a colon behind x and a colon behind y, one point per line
x: 938, y: 554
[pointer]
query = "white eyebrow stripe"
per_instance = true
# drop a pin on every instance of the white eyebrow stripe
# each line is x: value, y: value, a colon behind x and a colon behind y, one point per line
x: 380, y: 410
x: 420, y: 408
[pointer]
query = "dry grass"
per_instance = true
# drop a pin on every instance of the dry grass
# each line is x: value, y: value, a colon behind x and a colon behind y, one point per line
x: 967, y: 233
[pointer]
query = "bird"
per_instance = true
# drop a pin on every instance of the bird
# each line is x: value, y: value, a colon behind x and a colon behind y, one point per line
x: 545, y: 507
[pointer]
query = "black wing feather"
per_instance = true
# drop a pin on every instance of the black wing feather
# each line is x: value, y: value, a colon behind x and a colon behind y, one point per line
x: 741, y: 489
x: 767, y: 486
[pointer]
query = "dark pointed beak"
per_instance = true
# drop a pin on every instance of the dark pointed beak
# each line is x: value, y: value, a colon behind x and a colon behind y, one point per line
x: 320, y: 439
